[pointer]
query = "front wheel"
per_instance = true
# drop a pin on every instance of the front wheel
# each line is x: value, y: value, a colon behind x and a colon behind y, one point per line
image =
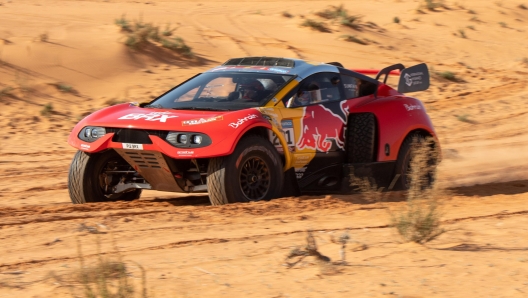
x: 253, y: 172
x: 91, y: 176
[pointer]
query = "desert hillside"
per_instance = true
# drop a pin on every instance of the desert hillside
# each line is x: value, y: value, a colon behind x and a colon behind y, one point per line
x: 63, y: 59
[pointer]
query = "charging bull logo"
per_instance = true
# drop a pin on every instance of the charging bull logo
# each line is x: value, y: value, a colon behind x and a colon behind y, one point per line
x: 319, y: 127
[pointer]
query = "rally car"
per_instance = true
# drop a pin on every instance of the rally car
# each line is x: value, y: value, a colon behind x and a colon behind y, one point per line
x: 251, y: 129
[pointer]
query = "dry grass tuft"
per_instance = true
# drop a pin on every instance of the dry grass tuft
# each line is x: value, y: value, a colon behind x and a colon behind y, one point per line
x: 419, y: 221
x: 352, y: 38
x: 448, y: 75
x: 107, y: 278
x: 47, y: 110
x: 319, y: 26
x: 341, y: 14
x: 287, y: 14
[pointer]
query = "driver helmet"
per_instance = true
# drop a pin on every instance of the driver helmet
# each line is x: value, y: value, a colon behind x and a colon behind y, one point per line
x: 308, y: 96
x: 250, y: 89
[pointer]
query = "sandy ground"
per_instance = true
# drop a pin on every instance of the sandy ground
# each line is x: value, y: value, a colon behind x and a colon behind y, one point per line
x: 70, y: 54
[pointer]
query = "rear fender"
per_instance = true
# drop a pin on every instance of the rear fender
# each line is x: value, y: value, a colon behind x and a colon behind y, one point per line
x: 397, y: 116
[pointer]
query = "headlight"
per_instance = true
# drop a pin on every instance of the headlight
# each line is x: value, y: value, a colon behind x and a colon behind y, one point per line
x: 188, y: 139
x: 90, y: 133
x: 197, y: 139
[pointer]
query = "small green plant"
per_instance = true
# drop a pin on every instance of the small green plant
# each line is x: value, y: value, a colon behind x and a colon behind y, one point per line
x: 461, y: 33
x: 287, y: 14
x: 177, y: 44
x: 47, y: 110
x: 352, y: 38
x: 463, y: 118
x: 123, y: 23
x: 448, y: 75
x: 396, y: 20
x: 5, y: 91
x: 351, y: 21
x: 432, y: 5
x: 503, y: 25
x: 319, y: 26
x: 168, y: 31
x: 333, y: 12
x: 65, y: 88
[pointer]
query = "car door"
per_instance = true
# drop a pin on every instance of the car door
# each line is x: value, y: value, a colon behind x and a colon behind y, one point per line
x: 314, y: 108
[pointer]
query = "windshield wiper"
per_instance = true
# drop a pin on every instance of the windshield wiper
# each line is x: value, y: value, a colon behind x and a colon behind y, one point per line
x: 154, y: 106
x: 201, y: 109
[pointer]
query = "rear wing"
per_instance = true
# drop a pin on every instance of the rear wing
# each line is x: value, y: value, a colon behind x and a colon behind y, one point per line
x: 412, y: 79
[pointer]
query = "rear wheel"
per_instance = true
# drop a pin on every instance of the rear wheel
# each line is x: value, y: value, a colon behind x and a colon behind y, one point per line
x: 253, y: 172
x: 361, y: 138
x: 90, y: 178
x: 410, y: 147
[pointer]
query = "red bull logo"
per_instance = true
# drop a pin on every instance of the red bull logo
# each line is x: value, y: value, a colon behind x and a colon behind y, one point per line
x: 319, y: 126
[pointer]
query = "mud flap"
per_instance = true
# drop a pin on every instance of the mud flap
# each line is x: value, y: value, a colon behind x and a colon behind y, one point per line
x: 290, y: 187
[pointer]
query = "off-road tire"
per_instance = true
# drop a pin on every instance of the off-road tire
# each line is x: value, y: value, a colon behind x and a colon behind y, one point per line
x: 403, y: 163
x: 225, y: 175
x: 361, y: 138
x: 83, y: 179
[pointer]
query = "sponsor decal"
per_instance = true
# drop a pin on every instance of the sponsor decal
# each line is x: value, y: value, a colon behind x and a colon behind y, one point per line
x: 412, y: 107
x: 279, y: 70
x: 242, y: 120
x: 154, y: 116
x: 414, y: 78
x: 201, y: 120
x: 185, y: 152
x: 319, y: 127
x: 289, y: 135
x: 132, y: 146
x: 299, y: 172
x: 85, y: 146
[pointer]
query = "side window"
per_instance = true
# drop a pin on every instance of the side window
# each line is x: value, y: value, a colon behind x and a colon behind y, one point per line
x: 351, y: 86
x: 354, y: 87
x: 317, y: 88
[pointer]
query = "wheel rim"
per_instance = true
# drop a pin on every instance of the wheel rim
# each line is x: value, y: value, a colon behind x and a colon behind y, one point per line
x: 255, y: 179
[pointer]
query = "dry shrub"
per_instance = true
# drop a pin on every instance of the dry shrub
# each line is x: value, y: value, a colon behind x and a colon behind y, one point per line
x: 319, y: 26
x: 140, y: 35
x: 341, y: 14
x: 310, y: 249
x: 419, y: 221
x: 109, y: 277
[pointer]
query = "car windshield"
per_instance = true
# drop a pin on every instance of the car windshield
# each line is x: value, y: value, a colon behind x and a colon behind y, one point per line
x: 223, y: 91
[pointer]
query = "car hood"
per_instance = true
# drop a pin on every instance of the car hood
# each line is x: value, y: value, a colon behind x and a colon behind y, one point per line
x: 131, y: 116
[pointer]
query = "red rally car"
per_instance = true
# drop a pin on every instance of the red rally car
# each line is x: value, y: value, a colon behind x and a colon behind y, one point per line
x: 254, y: 128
